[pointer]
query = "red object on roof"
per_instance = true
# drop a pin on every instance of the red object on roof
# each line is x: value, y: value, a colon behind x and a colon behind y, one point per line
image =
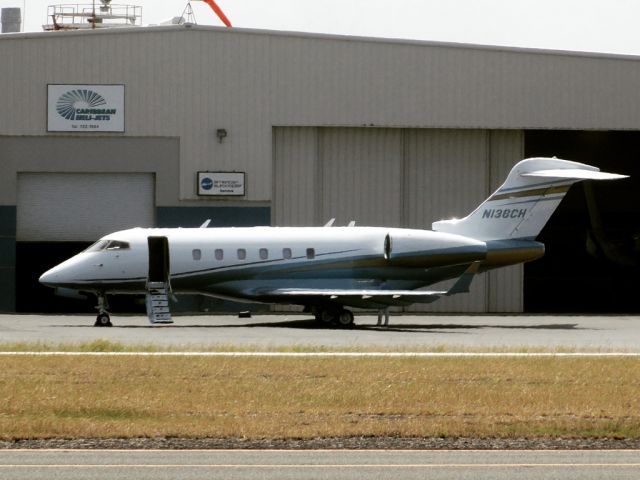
x: 214, y: 6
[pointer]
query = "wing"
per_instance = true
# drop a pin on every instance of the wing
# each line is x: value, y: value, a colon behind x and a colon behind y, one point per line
x: 368, y: 297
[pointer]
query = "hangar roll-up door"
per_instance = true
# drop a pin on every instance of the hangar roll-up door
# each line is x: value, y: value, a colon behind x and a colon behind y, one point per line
x: 62, y: 207
x: 60, y: 214
x: 397, y: 178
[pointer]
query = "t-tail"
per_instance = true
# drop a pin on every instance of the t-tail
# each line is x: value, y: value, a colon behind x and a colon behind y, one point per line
x: 521, y: 207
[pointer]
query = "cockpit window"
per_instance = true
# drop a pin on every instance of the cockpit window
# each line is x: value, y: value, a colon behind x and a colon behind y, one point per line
x: 108, y: 245
x: 99, y: 245
x: 117, y: 245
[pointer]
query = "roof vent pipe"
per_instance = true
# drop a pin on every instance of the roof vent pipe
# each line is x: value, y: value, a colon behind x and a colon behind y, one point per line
x: 11, y: 20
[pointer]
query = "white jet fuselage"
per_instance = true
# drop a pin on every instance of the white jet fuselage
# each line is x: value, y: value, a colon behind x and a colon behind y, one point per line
x: 327, y: 268
x: 252, y: 264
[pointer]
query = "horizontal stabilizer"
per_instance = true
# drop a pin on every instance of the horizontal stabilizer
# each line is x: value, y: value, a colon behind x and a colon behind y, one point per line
x: 574, y: 173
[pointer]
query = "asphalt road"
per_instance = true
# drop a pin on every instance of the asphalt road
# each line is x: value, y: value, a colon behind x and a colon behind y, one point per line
x: 405, y: 332
x: 314, y: 464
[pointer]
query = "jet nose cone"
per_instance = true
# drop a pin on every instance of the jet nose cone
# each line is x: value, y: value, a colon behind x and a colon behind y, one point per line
x: 67, y: 274
x: 57, y: 275
x: 48, y: 278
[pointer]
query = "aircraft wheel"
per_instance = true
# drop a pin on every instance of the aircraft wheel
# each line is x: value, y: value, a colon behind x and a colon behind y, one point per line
x: 103, y: 320
x: 345, y: 318
x: 327, y: 316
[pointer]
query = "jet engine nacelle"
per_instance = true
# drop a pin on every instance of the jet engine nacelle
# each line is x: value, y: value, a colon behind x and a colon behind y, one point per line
x: 424, y: 248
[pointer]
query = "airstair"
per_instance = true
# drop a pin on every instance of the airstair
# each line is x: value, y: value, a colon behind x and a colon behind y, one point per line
x: 157, y: 300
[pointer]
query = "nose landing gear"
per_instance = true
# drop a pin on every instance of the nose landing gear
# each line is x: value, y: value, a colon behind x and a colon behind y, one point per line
x: 103, y: 319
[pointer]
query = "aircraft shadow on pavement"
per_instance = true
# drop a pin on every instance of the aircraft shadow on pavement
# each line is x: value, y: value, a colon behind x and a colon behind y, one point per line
x: 312, y: 324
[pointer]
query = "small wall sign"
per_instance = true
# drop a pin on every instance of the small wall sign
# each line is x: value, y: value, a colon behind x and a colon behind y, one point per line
x: 221, y: 183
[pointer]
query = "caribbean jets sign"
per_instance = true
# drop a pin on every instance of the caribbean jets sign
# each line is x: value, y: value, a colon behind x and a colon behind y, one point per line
x: 85, y: 108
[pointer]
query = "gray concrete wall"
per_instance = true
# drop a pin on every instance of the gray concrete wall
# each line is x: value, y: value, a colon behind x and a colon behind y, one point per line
x: 102, y: 154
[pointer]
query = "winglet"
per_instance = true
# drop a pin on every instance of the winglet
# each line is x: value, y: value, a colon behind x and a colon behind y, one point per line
x: 206, y: 223
x: 330, y: 223
x: 464, y: 282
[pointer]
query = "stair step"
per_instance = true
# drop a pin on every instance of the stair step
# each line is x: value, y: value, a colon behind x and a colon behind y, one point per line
x: 157, y: 301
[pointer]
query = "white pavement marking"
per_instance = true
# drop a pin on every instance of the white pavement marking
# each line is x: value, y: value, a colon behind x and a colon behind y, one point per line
x: 325, y: 354
x: 324, y: 465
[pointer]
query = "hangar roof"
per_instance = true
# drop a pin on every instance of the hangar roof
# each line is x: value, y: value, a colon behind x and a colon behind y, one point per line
x: 322, y: 36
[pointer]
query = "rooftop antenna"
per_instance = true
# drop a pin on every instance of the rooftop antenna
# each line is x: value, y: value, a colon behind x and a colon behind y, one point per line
x: 187, y: 15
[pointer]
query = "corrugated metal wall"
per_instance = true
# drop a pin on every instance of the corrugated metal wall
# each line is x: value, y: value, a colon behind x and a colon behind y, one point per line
x: 295, y: 153
x: 446, y: 174
x: 361, y: 176
x: 505, y: 285
x: 186, y: 82
x: 397, y: 177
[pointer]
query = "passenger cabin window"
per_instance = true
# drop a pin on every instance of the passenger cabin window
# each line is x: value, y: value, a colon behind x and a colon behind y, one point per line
x: 219, y: 254
x: 286, y: 253
x: 196, y: 253
x: 242, y: 254
x: 264, y: 253
x: 311, y: 253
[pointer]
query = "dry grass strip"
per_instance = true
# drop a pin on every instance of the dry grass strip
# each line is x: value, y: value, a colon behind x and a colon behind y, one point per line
x: 111, y: 346
x: 70, y: 397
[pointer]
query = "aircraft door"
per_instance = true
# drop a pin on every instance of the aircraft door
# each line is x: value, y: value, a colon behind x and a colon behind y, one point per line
x: 158, y: 259
x: 158, y: 286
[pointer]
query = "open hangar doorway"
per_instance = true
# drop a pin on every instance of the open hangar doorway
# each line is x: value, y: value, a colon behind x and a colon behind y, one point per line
x: 592, y: 259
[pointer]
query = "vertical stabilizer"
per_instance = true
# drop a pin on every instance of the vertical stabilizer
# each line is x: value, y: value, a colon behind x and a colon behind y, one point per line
x: 521, y: 207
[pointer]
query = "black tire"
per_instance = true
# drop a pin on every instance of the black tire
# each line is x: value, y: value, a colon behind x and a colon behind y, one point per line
x: 344, y: 318
x: 103, y: 320
x: 327, y: 317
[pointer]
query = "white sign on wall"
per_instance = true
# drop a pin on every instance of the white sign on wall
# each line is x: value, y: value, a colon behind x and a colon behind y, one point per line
x: 85, y: 108
x: 220, y: 183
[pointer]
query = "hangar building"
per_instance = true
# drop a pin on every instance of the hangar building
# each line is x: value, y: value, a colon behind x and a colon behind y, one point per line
x: 384, y: 132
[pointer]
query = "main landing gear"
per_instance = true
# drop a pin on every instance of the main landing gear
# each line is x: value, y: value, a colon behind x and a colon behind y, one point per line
x: 343, y: 318
x: 384, y: 313
x: 103, y: 319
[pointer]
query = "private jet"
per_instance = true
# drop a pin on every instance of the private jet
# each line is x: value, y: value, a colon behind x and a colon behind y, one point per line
x: 326, y: 269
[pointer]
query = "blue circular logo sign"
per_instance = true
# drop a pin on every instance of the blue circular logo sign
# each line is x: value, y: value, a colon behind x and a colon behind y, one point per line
x: 206, y: 183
